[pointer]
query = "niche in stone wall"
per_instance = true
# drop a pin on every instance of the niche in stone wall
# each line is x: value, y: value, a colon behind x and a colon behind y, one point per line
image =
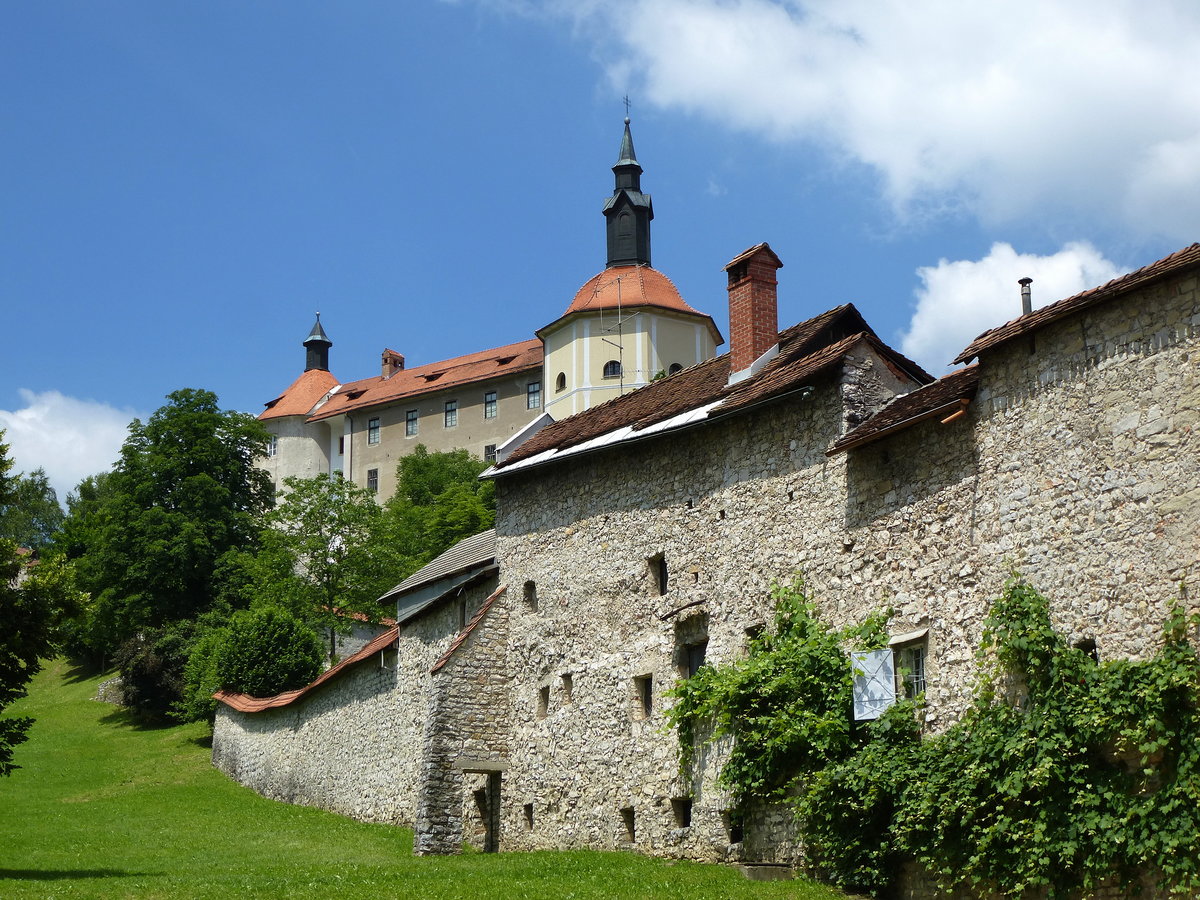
x: 643, y: 696
x: 657, y: 566
x: 628, y: 824
x: 543, y: 701
x: 529, y: 595
x: 568, y: 687
x: 527, y: 815
x: 691, y: 644
x: 681, y: 808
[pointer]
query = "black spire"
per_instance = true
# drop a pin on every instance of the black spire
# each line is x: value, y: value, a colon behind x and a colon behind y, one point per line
x: 317, y: 345
x: 628, y: 210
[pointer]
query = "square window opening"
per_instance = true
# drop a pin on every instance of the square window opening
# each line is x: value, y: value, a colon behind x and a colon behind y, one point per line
x: 643, y: 696
x: 629, y: 824
x: 681, y: 807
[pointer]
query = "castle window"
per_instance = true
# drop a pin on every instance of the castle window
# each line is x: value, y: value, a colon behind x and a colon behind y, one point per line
x: 450, y: 416
x: 410, y: 423
x: 533, y: 395
x: 373, y: 480
x: 675, y: 367
x: 612, y: 369
x: 528, y: 817
x: 568, y: 686
x: 692, y: 657
x: 560, y: 383
x: 658, y: 572
x: 543, y: 702
x: 643, y: 696
x: 373, y: 431
x: 273, y: 445
x: 530, y: 595
x: 341, y: 445
x: 910, y: 669
x: 628, y: 822
x: 682, y: 808
x: 489, y: 453
x: 489, y: 405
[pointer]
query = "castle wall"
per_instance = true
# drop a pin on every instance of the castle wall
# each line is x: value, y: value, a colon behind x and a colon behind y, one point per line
x: 353, y: 745
x: 1076, y: 464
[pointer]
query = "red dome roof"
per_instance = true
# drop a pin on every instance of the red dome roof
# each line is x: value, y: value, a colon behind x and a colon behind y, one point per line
x: 629, y: 286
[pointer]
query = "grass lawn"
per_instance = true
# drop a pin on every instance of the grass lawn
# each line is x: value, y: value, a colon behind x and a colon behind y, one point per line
x: 105, y: 808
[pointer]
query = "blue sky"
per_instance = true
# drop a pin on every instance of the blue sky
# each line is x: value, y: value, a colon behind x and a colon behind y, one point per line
x: 184, y: 185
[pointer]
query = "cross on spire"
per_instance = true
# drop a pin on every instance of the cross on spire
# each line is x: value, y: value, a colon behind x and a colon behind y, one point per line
x: 625, y: 100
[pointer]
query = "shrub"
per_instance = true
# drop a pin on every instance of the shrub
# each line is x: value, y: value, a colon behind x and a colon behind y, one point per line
x: 266, y: 651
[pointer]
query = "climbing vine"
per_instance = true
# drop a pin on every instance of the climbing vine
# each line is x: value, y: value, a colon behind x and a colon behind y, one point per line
x: 1063, y: 772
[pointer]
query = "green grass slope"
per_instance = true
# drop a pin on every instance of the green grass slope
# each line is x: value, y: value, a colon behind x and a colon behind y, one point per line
x: 103, y: 807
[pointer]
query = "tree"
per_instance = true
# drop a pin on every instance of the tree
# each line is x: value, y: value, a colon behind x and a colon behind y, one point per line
x: 266, y: 651
x: 326, y: 552
x: 32, y: 515
x: 184, y: 493
x: 32, y: 600
x: 440, y: 500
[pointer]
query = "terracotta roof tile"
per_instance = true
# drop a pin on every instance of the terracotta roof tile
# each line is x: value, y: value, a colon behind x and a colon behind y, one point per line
x: 300, y: 398
x: 246, y: 703
x: 462, y: 635
x: 1177, y: 261
x: 481, y: 366
x: 804, y: 349
x: 937, y: 399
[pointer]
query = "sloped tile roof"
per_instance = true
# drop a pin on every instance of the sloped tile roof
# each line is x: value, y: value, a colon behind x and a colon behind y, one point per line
x: 1168, y: 265
x: 937, y: 399
x: 804, y: 350
x: 473, y: 551
x: 301, y: 396
x: 462, y: 635
x: 481, y: 366
x: 247, y: 704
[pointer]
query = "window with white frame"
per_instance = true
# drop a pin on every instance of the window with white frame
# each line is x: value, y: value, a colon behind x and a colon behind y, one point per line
x: 533, y: 395
x: 489, y: 453
x: 273, y: 445
x: 881, y: 677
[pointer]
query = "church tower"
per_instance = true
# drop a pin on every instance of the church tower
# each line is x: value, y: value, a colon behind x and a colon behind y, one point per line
x: 629, y: 324
x: 317, y: 346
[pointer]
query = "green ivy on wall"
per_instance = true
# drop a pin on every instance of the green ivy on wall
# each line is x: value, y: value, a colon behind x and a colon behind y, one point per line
x: 1063, y: 772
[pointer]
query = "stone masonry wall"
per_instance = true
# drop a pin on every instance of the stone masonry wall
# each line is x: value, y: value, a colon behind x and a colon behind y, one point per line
x: 1077, y: 464
x: 352, y: 746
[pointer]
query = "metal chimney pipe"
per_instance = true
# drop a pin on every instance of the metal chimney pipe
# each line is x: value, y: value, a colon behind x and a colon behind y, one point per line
x: 1026, y: 295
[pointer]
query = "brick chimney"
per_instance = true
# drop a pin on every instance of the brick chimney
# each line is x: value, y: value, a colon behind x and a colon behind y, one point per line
x: 753, y: 317
x: 392, y: 363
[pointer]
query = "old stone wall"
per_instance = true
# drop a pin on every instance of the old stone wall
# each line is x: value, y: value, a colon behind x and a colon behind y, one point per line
x: 1077, y: 465
x: 353, y: 745
x: 465, y: 735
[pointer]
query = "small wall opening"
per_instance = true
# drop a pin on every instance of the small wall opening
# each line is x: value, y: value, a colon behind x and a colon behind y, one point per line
x: 643, y: 696
x: 734, y: 825
x: 1089, y: 646
x: 568, y: 687
x: 529, y: 595
x: 691, y: 644
x: 658, y: 573
x: 629, y: 824
x: 681, y: 808
x: 528, y: 816
x: 543, y: 701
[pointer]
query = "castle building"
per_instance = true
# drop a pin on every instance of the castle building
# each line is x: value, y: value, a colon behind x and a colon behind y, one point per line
x: 520, y: 702
x: 624, y: 327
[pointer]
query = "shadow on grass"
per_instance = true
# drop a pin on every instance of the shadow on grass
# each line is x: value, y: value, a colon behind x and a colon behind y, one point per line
x: 65, y: 874
x: 77, y: 670
x: 129, y: 719
x: 205, y: 741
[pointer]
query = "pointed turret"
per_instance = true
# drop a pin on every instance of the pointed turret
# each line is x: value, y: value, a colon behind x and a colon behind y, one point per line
x: 317, y: 345
x: 628, y: 210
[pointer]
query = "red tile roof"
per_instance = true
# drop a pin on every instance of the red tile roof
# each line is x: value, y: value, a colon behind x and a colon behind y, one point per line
x: 247, y: 704
x: 1169, y: 265
x: 628, y: 287
x: 301, y: 396
x: 941, y: 398
x: 462, y: 635
x: 804, y: 350
x: 481, y: 366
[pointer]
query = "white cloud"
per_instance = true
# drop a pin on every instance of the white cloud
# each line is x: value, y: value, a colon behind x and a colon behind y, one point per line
x: 68, y: 437
x: 960, y: 299
x: 1064, y: 109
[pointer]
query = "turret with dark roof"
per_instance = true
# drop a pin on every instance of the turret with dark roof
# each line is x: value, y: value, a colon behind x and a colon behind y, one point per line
x: 317, y: 345
x: 628, y: 210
